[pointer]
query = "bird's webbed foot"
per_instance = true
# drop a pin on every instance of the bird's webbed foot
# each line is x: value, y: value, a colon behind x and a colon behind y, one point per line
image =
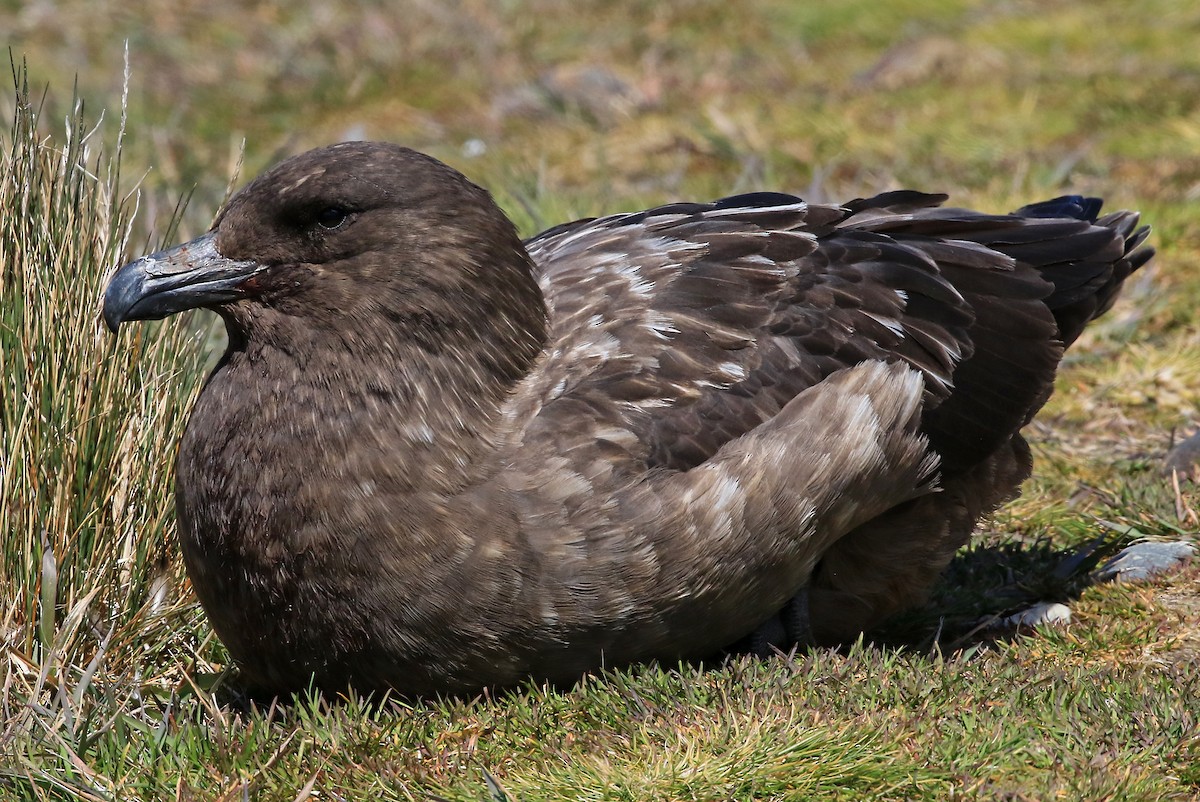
x: 789, y: 628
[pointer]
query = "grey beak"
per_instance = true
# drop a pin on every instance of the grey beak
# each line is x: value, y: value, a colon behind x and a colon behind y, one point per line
x: 187, y: 276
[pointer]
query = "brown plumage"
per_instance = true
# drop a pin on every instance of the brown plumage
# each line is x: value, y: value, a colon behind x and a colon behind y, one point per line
x: 435, y: 458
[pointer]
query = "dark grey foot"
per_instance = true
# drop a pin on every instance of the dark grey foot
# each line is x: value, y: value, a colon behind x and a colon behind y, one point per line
x: 790, y: 627
x: 797, y: 621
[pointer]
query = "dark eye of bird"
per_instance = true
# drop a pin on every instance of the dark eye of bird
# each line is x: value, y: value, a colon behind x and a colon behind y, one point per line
x: 332, y: 217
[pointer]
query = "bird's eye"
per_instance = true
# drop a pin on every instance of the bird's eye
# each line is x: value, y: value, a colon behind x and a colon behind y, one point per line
x: 332, y: 217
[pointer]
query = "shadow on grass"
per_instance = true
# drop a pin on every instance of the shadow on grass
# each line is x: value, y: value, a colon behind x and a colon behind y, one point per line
x: 989, y: 582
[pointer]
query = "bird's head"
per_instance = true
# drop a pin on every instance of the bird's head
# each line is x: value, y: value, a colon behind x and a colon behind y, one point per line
x: 349, y: 237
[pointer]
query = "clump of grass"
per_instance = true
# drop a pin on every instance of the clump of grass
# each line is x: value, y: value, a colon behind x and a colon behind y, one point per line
x: 85, y: 423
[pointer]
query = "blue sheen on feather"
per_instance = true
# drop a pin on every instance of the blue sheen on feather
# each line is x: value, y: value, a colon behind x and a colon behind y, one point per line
x: 1075, y: 207
x: 753, y: 200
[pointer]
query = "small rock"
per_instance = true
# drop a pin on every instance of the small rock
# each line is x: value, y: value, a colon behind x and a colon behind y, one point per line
x: 1052, y: 613
x: 474, y: 148
x: 1144, y: 560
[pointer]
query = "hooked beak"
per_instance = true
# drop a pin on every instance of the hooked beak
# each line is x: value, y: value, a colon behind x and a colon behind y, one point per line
x: 187, y: 276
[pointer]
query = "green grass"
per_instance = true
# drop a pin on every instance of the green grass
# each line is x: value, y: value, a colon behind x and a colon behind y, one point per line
x: 111, y: 683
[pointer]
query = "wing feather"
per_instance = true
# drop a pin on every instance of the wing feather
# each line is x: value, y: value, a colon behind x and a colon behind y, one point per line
x: 691, y: 324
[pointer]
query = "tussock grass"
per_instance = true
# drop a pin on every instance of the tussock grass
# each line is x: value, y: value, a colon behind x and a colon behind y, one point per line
x: 111, y: 685
x: 89, y: 610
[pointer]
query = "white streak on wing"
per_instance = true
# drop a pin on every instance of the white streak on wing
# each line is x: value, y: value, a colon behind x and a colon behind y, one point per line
x: 941, y: 380
x: 794, y: 232
x: 788, y: 348
x: 660, y: 325
x: 583, y: 232
x: 891, y: 324
x: 665, y: 220
x: 727, y: 490
x: 650, y: 403
x: 733, y: 370
x: 953, y: 350
x: 666, y: 244
x: 720, y: 498
x: 603, y: 347
x: 764, y: 261
x: 631, y: 271
x: 740, y: 211
x: 642, y: 287
x: 618, y: 435
x: 754, y: 234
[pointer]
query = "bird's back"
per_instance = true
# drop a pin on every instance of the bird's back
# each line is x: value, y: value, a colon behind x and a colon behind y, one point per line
x: 679, y: 328
x: 676, y: 331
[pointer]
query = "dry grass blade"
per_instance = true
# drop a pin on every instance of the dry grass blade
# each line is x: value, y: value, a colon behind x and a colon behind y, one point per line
x: 84, y: 427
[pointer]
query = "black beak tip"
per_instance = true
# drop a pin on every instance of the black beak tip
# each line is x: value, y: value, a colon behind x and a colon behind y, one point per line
x: 112, y: 320
x: 123, y: 291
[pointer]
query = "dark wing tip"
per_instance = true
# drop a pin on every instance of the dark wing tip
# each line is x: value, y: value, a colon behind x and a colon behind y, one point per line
x: 1074, y: 207
x: 897, y: 201
x: 753, y: 200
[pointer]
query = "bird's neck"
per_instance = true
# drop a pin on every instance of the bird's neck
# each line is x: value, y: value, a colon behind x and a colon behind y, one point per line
x: 422, y: 392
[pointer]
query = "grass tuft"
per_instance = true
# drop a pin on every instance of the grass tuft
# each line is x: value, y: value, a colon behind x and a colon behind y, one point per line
x: 89, y: 620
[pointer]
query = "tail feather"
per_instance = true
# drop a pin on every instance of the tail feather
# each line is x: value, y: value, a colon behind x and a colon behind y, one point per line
x: 1074, y: 207
x: 1087, y: 268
